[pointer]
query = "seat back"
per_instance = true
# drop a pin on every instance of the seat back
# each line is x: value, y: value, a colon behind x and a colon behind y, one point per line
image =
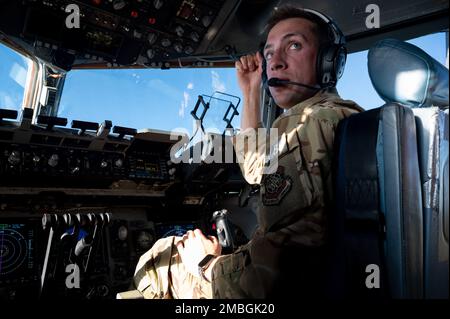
x: 391, y: 176
x: 378, y: 217
x: 416, y: 80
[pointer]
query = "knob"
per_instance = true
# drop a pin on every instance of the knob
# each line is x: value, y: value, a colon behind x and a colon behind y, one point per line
x: 150, y: 53
x: 126, y: 28
x: 151, y: 38
x: 53, y: 160
x: 103, y: 164
x: 188, y: 50
x: 137, y: 34
x: 102, y: 290
x: 206, y: 21
x: 194, y: 36
x: 178, y: 47
x: 36, y: 159
x: 14, y: 158
x: 118, y: 163
x: 119, y: 4
x: 179, y: 31
x: 122, y: 233
x: 165, y: 42
x: 158, y: 4
x: 75, y: 170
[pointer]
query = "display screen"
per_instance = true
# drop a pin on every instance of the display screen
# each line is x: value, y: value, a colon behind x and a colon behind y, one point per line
x: 148, y: 167
x: 44, y: 24
x: 103, y: 42
x: 179, y: 229
x: 17, y: 252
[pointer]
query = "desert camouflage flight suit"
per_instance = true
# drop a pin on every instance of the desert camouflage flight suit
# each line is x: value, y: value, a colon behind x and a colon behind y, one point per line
x: 292, y: 217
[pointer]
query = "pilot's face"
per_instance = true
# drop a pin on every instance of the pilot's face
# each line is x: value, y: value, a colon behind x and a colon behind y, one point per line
x: 291, y: 53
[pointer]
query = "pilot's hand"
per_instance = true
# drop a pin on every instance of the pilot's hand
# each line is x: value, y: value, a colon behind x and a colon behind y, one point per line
x: 249, y: 69
x: 194, y: 247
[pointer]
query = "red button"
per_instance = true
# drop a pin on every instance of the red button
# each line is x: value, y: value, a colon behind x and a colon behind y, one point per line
x: 134, y: 14
x: 151, y: 20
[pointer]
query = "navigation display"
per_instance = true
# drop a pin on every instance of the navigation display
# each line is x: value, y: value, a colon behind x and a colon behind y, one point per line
x: 179, y: 229
x: 17, y: 251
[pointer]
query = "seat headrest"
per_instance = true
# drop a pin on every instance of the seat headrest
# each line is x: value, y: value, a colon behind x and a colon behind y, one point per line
x: 403, y: 73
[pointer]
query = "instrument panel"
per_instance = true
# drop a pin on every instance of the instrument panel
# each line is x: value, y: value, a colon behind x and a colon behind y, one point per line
x: 116, y: 32
x: 77, y: 178
x: 24, y: 164
x: 106, y: 262
x: 66, y: 157
x: 58, y: 184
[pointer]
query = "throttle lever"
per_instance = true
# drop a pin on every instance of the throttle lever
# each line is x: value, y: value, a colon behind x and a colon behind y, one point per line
x: 223, y: 229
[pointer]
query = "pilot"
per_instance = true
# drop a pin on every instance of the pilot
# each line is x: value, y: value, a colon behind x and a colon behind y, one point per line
x: 302, y: 59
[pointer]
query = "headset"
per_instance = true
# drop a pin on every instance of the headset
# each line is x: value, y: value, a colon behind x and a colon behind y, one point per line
x: 330, y: 63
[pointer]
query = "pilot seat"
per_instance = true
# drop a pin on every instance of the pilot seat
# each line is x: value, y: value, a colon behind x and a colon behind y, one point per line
x: 389, y: 230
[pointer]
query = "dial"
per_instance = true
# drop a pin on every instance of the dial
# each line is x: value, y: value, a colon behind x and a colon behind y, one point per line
x: 118, y: 163
x: 119, y: 4
x: 122, y: 233
x: 195, y: 36
x: 14, y: 158
x: 152, y: 38
x: 178, y: 47
x: 150, y: 53
x: 158, y: 4
x: 53, y: 160
x: 144, y: 240
x: 165, y: 42
x: 103, y: 164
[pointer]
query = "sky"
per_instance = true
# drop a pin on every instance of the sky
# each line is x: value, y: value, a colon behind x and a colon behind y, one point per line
x: 163, y: 99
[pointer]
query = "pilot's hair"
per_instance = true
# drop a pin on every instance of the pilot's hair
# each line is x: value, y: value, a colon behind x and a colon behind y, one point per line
x: 320, y: 29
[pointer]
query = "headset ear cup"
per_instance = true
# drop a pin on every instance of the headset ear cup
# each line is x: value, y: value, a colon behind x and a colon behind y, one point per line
x: 326, y: 64
x: 331, y: 64
x: 340, y: 62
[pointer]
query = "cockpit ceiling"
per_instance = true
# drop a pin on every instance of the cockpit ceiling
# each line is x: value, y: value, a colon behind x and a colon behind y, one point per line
x: 193, y: 33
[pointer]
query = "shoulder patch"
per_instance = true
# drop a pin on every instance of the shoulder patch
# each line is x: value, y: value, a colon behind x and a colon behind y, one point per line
x: 275, y: 186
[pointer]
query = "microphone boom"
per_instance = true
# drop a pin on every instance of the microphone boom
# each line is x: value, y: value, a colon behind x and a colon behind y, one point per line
x: 274, y: 82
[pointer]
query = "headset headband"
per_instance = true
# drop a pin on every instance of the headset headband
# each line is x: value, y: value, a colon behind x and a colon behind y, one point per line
x: 339, y: 38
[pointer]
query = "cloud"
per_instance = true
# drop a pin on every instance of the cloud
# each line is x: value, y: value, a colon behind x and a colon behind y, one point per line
x: 161, y: 86
x: 184, y: 104
x: 19, y: 74
x: 186, y: 99
x: 217, y: 84
x: 7, y: 101
x: 137, y: 78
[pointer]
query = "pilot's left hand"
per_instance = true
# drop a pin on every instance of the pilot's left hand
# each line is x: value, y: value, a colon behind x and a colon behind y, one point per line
x: 194, y: 246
